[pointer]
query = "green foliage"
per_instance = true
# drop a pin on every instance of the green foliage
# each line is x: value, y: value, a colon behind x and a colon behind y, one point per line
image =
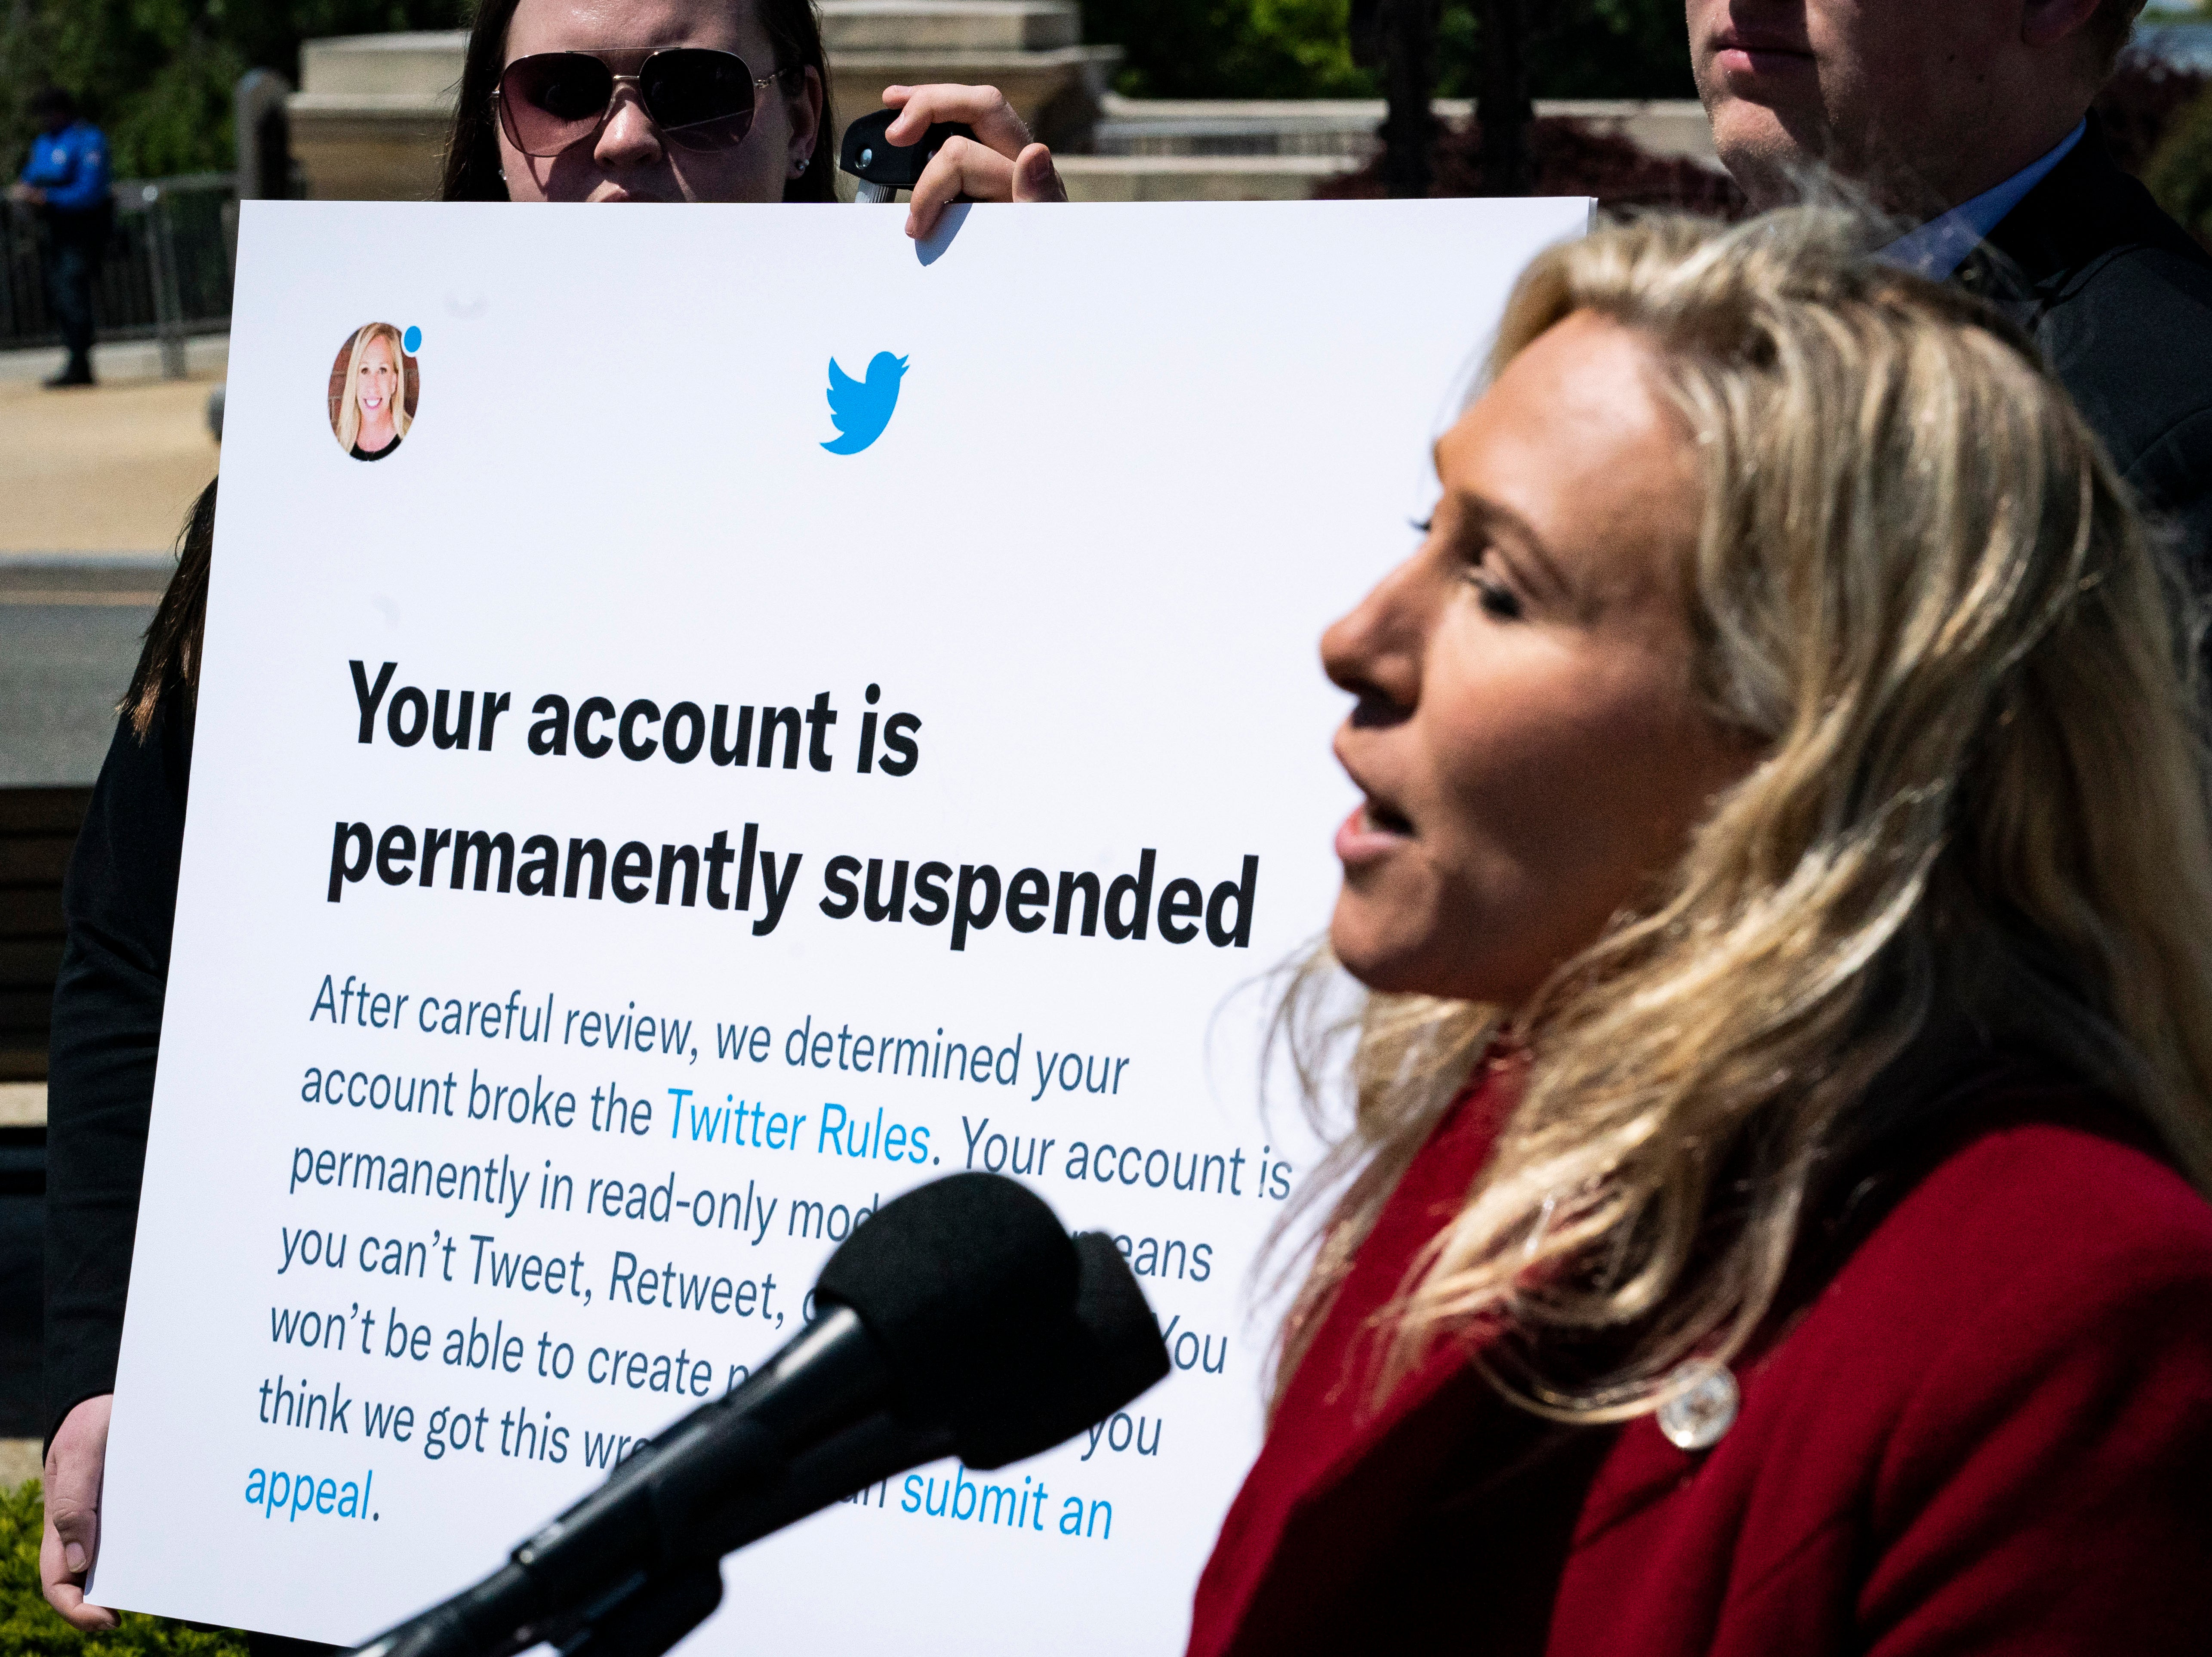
x: 28, y: 1626
x: 1229, y: 48
x: 1304, y: 43
x: 2180, y: 172
x: 179, y: 120
x: 1604, y: 49
x: 1298, y: 48
x: 157, y: 75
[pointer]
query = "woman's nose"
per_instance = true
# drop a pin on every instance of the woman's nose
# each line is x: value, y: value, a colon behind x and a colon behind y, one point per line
x: 627, y: 138
x: 1375, y: 652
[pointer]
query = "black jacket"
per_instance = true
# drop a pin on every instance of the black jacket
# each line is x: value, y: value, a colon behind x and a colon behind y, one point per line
x: 2120, y: 300
x: 120, y: 900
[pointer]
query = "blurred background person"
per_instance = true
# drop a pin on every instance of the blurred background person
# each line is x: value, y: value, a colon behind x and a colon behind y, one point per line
x: 66, y: 180
x: 1773, y: 1217
x: 1972, y: 119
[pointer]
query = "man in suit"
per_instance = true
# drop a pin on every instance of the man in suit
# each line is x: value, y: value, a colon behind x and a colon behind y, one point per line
x: 1971, y: 119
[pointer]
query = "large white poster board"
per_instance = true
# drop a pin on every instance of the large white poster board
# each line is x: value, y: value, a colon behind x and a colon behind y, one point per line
x: 637, y: 827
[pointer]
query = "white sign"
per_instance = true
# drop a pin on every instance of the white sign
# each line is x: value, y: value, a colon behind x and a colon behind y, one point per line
x: 712, y: 717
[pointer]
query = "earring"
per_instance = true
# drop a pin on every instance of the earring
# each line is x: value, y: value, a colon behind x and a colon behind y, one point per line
x: 798, y: 167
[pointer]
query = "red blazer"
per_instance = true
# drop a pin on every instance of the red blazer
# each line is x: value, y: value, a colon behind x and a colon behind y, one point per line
x: 1989, y: 1432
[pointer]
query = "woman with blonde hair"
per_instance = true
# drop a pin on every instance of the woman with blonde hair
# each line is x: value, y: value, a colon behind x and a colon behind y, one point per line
x: 373, y: 414
x: 1783, y: 894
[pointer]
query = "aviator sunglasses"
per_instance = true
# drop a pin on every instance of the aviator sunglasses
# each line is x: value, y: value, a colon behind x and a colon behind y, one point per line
x: 699, y: 98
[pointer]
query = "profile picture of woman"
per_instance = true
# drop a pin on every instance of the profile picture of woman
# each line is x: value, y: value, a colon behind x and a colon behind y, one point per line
x: 375, y: 386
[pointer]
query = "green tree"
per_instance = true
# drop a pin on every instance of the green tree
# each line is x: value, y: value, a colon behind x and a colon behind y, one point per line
x: 158, y: 74
x: 1591, y: 49
x: 1229, y: 48
x: 2180, y: 172
x: 1299, y: 49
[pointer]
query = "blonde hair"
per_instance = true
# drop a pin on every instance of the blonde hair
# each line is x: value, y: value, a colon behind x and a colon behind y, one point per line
x: 1920, y: 589
x: 349, y: 401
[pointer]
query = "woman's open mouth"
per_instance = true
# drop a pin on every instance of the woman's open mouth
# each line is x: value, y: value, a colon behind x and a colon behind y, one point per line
x: 1387, y: 818
x: 1374, y: 829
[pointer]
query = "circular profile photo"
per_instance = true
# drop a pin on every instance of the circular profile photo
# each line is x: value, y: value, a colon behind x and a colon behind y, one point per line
x: 375, y: 386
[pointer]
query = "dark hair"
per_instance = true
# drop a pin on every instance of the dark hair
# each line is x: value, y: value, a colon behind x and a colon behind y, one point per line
x: 50, y: 100
x: 170, y: 662
x: 472, y: 172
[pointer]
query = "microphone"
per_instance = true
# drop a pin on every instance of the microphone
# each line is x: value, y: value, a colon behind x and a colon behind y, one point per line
x: 961, y: 1319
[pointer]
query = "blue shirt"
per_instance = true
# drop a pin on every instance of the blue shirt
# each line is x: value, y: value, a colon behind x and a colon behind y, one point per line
x: 70, y: 166
x: 1939, y: 247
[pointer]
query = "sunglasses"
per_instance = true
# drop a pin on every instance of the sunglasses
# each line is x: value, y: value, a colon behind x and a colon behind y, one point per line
x: 700, y: 99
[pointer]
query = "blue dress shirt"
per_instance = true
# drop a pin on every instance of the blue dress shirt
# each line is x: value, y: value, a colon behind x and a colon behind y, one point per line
x: 1937, y: 247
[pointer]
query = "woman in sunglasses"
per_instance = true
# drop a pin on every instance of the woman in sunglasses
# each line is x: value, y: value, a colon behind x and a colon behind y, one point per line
x: 696, y: 100
x: 668, y: 100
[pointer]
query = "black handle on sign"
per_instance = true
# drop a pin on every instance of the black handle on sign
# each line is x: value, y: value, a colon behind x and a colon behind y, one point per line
x: 873, y: 159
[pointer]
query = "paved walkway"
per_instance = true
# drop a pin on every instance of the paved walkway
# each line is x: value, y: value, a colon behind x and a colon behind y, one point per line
x: 124, y: 359
x: 109, y: 468
x: 71, y: 627
x: 94, y: 486
x: 19, y: 1460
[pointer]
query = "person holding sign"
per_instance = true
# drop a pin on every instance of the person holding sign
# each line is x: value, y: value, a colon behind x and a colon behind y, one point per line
x: 671, y: 101
x: 550, y: 110
x: 1774, y: 1216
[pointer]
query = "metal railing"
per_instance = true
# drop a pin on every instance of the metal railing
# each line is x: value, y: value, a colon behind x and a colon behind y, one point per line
x: 166, y: 274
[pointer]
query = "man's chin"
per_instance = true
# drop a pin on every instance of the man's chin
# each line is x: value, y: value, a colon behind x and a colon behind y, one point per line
x: 1761, y: 153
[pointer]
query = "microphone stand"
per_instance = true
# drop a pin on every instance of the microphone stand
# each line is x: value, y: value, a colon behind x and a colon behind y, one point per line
x: 682, y: 1513
x: 646, y: 1615
x: 635, y: 1566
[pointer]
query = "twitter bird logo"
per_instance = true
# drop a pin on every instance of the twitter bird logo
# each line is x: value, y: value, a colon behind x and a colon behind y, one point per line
x: 861, y: 408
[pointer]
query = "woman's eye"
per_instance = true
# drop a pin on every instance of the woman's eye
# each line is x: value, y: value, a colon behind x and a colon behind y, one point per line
x: 1496, y: 598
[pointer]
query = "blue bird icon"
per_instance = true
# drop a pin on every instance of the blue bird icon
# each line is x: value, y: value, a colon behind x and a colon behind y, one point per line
x: 861, y: 408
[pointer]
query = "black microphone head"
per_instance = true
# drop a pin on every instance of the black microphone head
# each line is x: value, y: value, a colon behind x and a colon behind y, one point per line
x: 1099, y: 1354
x: 1127, y: 1354
x: 949, y: 1281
